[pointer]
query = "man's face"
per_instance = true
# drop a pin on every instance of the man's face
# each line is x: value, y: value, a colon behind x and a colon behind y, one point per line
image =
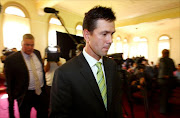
x: 28, y: 46
x: 99, y: 41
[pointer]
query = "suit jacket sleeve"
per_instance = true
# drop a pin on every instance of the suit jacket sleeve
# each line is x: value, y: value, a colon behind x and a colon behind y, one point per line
x: 9, y: 78
x: 117, y: 95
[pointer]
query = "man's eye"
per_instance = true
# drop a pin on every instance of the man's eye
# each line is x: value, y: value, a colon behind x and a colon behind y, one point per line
x: 29, y: 45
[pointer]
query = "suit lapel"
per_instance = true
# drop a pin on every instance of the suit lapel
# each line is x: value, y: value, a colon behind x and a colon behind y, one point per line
x: 22, y: 62
x: 88, y: 75
x: 108, y: 74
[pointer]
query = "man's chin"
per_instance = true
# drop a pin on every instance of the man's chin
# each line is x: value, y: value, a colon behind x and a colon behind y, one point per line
x: 104, y: 53
x: 28, y: 53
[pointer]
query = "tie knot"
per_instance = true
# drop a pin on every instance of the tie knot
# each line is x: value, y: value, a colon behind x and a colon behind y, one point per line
x: 98, y: 65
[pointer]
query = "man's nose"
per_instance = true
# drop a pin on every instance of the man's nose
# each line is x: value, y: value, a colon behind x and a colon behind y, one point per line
x: 110, y: 39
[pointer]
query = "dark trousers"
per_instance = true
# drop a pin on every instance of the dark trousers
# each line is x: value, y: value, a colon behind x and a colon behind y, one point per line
x: 11, y: 108
x: 48, y: 89
x: 165, y: 92
x: 39, y: 102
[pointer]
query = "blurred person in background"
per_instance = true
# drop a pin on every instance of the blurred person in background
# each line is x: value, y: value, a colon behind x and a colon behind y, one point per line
x: 79, y: 49
x: 177, y: 75
x: 49, y: 67
x: 165, y: 79
x: 25, y: 79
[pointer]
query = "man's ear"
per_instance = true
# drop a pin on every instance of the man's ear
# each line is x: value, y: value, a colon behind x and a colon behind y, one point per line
x: 86, y: 35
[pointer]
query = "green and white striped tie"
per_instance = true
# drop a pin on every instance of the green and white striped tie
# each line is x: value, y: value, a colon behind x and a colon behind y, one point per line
x: 101, y: 83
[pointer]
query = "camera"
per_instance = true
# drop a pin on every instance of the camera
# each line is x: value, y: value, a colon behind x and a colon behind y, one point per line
x: 52, y: 53
x: 6, y: 52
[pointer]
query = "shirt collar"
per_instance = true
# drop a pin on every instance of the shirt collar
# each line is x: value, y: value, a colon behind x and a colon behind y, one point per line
x: 92, y: 61
x: 26, y: 55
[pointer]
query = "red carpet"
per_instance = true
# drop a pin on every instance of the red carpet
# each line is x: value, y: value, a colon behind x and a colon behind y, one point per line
x: 139, y: 109
x: 4, y: 108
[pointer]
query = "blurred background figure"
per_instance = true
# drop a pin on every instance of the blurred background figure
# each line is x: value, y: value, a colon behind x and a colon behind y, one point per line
x: 79, y: 48
x: 165, y: 79
x: 177, y: 75
x: 6, y: 52
x: 51, y: 62
x: 25, y: 79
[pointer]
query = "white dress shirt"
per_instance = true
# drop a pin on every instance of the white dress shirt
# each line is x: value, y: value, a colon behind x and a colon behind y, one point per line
x: 39, y: 70
x: 92, y: 61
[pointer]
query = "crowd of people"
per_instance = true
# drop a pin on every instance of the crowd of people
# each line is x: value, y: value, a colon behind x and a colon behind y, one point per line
x: 87, y: 86
x: 141, y: 76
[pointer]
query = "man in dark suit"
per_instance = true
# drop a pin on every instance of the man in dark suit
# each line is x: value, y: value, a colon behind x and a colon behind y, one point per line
x: 76, y: 91
x: 165, y: 79
x: 26, y: 80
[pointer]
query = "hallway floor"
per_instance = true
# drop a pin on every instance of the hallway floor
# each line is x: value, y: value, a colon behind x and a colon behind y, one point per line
x: 138, y: 107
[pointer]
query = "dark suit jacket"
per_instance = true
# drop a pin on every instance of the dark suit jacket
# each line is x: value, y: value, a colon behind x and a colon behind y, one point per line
x: 166, y: 67
x: 17, y: 75
x: 75, y: 92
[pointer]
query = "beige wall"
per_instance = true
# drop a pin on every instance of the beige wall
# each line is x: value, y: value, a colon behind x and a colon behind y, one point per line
x: 39, y: 28
x: 174, y: 43
x: 152, y: 26
x: 172, y: 29
x: 39, y: 22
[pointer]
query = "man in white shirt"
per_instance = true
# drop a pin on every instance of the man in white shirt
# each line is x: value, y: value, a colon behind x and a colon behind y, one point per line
x: 76, y: 91
x: 26, y: 80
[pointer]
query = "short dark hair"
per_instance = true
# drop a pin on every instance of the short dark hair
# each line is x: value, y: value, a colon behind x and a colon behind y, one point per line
x: 96, y: 13
x: 165, y: 53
